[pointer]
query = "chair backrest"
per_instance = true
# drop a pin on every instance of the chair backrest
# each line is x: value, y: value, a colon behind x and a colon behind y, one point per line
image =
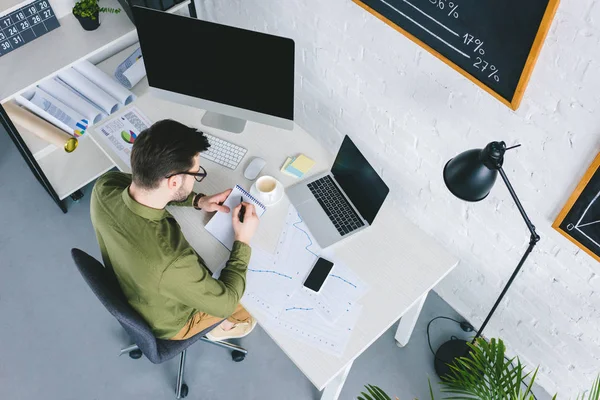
x: 105, y: 286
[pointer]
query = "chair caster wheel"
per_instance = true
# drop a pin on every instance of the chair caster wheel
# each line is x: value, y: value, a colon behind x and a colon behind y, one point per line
x: 184, y: 390
x: 135, y: 354
x: 237, y: 356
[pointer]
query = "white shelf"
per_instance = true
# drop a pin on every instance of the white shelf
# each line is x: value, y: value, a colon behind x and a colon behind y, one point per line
x: 68, y: 172
x: 63, y: 47
x: 59, y: 49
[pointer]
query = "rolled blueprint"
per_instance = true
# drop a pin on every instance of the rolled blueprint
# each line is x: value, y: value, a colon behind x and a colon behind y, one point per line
x: 63, y: 93
x: 41, y: 128
x: 89, y: 90
x: 54, y: 111
x: 135, y: 73
x: 104, y: 82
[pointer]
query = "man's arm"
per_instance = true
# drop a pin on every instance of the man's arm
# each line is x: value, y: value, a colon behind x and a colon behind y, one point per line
x: 188, y: 281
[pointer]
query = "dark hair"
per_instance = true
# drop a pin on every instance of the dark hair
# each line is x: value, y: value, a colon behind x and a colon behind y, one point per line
x: 166, y: 147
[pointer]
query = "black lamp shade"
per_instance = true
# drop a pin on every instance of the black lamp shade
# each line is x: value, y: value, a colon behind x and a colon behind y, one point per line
x: 468, y: 177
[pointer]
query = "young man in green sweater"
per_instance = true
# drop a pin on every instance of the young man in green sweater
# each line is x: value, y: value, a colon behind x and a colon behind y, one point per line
x: 161, y: 275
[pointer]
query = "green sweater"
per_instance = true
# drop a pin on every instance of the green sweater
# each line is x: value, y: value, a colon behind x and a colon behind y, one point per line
x: 163, y: 278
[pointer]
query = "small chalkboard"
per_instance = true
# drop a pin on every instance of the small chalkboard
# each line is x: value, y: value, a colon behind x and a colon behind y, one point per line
x: 494, y: 43
x: 579, y: 220
x: 26, y: 24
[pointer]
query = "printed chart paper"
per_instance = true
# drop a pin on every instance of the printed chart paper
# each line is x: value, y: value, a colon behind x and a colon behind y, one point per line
x: 121, y: 131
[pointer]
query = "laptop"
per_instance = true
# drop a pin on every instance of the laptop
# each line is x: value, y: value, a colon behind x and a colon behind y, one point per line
x: 343, y: 201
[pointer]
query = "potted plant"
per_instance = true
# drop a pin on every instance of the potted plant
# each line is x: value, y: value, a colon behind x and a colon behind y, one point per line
x: 87, y: 13
x: 486, y: 374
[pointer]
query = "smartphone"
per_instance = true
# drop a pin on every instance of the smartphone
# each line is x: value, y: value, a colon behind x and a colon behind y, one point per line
x: 317, y: 276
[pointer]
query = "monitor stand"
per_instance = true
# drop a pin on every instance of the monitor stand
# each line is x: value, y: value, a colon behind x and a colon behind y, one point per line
x: 223, y: 122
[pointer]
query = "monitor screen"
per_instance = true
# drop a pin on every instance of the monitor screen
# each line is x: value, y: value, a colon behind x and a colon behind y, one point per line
x: 359, y: 180
x: 219, y: 63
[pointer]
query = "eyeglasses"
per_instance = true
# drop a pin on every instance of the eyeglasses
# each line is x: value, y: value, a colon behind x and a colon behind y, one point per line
x: 199, y: 176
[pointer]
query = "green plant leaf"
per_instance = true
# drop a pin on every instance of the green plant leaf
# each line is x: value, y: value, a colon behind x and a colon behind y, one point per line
x: 485, y: 374
x: 593, y: 393
x: 367, y: 397
x: 375, y: 393
x: 430, y: 389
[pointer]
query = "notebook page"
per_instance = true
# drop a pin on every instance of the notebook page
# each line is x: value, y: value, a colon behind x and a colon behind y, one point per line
x: 221, y: 226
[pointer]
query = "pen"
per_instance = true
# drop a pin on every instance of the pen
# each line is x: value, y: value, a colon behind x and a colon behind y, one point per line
x: 242, y: 211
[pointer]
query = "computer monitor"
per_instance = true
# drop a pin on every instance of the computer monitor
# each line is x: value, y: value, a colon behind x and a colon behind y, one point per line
x: 234, y: 74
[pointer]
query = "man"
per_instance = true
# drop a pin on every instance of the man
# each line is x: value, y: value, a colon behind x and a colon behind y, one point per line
x: 161, y: 275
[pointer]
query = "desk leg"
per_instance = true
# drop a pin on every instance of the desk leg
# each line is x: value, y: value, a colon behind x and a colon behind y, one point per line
x: 408, y: 322
x: 333, y: 390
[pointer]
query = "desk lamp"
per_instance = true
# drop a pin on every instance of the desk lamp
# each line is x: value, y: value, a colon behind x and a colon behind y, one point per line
x: 470, y: 177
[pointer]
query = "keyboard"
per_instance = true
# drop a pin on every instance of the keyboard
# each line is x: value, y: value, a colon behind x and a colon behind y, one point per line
x: 338, y: 209
x: 223, y: 152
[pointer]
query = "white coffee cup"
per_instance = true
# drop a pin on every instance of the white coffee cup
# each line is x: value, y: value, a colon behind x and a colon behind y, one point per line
x: 268, y: 189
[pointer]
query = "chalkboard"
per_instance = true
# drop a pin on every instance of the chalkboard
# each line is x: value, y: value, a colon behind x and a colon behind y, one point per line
x: 26, y: 24
x: 494, y: 43
x: 579, y: 220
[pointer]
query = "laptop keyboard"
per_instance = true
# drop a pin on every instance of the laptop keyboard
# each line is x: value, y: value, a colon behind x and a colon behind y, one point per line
x: 335, y: 205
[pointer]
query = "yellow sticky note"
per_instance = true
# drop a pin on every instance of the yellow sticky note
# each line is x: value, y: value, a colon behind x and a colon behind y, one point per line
x: 303, y: 163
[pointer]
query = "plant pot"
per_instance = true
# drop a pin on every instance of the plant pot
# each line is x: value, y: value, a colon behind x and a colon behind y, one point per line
x: 88, y: 23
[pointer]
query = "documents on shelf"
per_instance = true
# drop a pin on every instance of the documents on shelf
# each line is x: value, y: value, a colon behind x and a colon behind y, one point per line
x: 132, y: 70
x: 105, y: 82
x: 121, y: 130
x: 62, y: 92
x: 89, y: 90
x: 54, y: 111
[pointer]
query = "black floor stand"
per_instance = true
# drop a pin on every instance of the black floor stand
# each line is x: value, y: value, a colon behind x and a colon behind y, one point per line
x: 29, y: 159
x: 447, y: 353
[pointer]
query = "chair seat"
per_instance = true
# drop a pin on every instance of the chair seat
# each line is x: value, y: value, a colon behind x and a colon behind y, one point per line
x: 105, y: 286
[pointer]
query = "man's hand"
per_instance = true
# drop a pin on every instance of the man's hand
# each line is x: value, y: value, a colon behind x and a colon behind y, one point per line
x: 244, y: 231
x: 211, y: 203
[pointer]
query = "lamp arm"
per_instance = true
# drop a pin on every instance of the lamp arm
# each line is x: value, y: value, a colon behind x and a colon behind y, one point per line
x: 534, y: 238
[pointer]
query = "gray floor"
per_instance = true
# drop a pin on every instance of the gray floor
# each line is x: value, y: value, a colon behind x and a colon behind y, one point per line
x: 57, y: 341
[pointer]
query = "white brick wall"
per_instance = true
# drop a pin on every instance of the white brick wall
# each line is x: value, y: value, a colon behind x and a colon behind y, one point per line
x: 411, y: 113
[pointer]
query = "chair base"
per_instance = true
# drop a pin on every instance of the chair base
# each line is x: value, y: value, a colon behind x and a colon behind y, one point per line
x: 238, y: 354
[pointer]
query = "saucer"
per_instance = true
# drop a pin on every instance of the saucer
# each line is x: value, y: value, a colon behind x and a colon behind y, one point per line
x: 279, y: 192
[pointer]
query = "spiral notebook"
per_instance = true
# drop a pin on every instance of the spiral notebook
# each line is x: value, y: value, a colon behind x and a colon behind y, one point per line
x: 221, y: 227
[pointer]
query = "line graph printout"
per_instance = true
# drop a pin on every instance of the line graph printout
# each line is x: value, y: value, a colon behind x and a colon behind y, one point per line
x: 307, y: 325
x: 268, y: 285
x: 340, y: 292
x: 297, y: 252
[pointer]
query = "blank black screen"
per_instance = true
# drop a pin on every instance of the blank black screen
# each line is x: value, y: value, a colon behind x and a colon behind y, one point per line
x: 227, y: 65
x: 359, y: 180
x: 318, y: 274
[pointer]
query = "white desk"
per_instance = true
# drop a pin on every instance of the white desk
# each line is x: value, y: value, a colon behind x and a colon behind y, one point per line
x: 400, y: 263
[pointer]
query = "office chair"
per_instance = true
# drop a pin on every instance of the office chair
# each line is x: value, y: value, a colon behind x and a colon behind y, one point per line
x: 104, y: 284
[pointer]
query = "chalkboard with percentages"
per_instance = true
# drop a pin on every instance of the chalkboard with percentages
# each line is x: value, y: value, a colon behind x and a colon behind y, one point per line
x: 494, y: 43
x: 26, y: 24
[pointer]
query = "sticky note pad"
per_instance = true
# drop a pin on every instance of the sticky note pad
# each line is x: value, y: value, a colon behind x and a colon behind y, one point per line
x: 287, y: 162
x: 300, y: 166
x: 303, y: 163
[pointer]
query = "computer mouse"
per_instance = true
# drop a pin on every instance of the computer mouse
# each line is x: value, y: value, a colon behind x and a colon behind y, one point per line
x: 254, y: 168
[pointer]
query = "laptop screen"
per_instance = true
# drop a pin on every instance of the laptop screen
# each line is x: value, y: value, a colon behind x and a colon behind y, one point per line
x: 359, y: 180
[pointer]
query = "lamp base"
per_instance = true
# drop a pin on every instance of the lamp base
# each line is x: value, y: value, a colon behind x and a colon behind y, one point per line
x: 447, y: 353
